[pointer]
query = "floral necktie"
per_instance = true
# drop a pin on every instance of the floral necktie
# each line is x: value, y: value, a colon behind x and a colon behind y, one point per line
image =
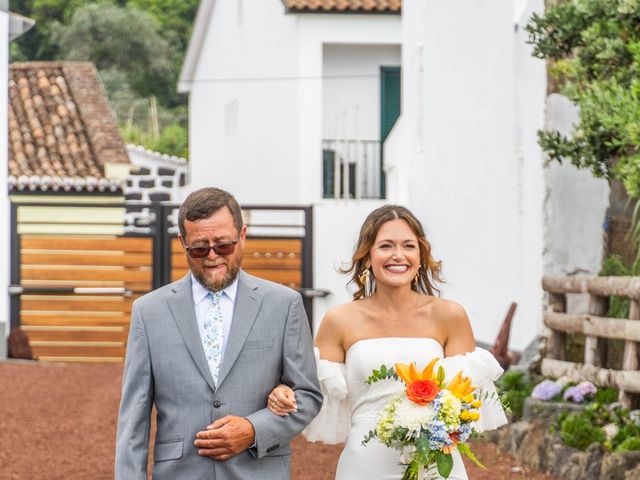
x: 213, y: 335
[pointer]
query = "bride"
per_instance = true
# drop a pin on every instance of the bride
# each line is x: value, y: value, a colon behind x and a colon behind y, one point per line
x: 396, y: 316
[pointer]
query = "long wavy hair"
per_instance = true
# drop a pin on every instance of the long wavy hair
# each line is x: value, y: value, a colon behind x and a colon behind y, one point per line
x: 430, y: 272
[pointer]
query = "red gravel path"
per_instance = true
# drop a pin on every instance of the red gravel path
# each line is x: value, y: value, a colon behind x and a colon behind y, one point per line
x: 58, y: 422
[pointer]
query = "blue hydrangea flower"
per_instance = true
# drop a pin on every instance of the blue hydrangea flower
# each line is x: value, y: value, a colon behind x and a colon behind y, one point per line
x: 546, y: 390
x: 439, y: 435
x: 579, y: 392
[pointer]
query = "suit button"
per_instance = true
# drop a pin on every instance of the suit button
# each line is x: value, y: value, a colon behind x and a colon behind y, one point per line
x: 217, y: 404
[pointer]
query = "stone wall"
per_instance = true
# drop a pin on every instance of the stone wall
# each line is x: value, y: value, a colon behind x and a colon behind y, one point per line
x: 155, y: 177
x: 535, y: 444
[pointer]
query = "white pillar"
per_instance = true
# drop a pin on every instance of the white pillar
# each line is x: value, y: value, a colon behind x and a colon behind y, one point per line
x: 5, y: 230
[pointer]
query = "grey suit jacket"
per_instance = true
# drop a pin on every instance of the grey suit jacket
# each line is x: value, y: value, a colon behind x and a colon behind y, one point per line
x: 269, y: 343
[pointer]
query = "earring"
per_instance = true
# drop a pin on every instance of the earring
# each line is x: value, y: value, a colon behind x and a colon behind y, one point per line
x: 367, y: 282
x: 416, y: 279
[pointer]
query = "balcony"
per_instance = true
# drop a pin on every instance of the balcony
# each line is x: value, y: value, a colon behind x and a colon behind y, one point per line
x: 352, y: 169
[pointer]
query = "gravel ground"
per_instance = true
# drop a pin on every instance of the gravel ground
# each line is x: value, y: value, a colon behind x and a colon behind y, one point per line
x: 58, y: 422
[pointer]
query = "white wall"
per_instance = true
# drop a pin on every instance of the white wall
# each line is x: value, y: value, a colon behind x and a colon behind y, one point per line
x: 336, y: 224
x: 530, y: 94
x: 243, y: 104
x: 351, y: 89
x: 463, y: 156
x: 256, y: 98
x: 575, y: 205
x: 317, y: 31
x: 5, y: 251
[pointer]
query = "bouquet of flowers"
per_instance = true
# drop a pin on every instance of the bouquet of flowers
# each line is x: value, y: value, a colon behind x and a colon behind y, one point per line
x: 428, y: 420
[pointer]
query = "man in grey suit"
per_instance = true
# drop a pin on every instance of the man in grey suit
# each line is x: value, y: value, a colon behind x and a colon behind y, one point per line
x: 206, y: 351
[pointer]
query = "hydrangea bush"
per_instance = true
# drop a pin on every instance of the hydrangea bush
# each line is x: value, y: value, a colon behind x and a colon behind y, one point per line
x: 603, y: 420
x: 564, y: 389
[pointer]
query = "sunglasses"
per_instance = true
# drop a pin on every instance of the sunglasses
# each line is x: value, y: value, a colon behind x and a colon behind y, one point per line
x: 223, y: 248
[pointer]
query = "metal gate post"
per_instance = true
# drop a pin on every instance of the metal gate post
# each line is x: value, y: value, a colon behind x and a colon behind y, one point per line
x: 307, y: 261
x: 165, y: 211
x: 14, y: 276
x: 158, y: 230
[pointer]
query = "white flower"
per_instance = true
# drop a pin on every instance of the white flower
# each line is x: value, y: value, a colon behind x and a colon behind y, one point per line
x: 412, y: 416
x: 610, y: 430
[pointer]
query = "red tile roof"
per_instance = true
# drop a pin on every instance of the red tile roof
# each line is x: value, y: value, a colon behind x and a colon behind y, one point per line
x: 61, y: 128
x: 354, y: 6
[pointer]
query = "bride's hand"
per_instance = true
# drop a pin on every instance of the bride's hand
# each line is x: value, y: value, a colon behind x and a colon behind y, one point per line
x: 282, y: 401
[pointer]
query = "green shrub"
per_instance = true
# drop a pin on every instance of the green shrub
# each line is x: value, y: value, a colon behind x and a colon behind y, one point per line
x: 578, y: 430
x: 613, y: 266
x: 628, y: 445
x: 606, y: 395
x: 514, y: 388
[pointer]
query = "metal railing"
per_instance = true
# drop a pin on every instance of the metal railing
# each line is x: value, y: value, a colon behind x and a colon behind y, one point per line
x: 352, y: 169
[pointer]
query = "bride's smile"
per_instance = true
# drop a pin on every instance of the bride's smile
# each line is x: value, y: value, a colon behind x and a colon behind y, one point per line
x: 395, y: 254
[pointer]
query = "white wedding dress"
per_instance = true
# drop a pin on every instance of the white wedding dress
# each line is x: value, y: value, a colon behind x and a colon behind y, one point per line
x: 351, y: 407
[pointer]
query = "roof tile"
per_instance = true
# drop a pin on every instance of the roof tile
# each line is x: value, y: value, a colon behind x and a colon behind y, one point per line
x: 359, y: 6
x: 61, y: 128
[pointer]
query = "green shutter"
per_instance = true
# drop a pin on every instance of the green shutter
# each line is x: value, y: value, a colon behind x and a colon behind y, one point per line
x: 389, y: 99
x: 328, y: 165
x: 389, y: 111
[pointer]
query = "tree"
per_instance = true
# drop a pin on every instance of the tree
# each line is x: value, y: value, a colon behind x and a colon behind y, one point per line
x: 124, y: 39
x: 174, y: 16
x: 37, y: 45
x: 594, y: 50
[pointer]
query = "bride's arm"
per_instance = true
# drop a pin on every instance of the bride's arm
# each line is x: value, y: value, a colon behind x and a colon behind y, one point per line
x: 459, y: 336
x: 329, y: 338
x: 281, y: 400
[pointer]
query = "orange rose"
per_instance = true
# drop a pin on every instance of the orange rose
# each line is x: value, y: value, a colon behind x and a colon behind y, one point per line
x: 422, y: 392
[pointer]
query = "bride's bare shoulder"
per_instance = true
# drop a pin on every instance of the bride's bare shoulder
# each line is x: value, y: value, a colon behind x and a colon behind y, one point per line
x: 448, y: 308
x: 338, y: 315
x: 453, y: 320
x: 335, y: 326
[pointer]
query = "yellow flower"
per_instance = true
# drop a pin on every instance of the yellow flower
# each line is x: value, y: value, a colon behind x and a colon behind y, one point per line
x: 468, y: 398
x: 474, y: 416
x: 460, y: 386
x: 476, y: 403
x: 465, y: 415
x: 409, y: 373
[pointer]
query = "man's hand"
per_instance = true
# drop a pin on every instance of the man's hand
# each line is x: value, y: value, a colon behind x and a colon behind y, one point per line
x: 226, y: 437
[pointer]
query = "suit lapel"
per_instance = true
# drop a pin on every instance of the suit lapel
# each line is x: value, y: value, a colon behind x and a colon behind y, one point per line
x: 245, y: 310
x: 181, y: 305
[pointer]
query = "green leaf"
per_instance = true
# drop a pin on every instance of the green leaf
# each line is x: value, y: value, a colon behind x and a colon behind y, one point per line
x: 411, y: 472
x: 422, y: 444
x: 445, y: 464
x: 464, y: 449
x: 440, y: 376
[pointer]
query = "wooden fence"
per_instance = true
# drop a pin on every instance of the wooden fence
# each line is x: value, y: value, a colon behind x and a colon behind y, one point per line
x: 77, y: 268
x: 66, y: 326
x: 598, y: 330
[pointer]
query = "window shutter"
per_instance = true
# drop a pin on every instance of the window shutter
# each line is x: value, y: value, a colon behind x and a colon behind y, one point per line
x: 389, y: 100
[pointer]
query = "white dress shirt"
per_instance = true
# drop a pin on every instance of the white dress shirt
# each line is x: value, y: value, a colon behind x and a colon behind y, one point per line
x: 202, y: 303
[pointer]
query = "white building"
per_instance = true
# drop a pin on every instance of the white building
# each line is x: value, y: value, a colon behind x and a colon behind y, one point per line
x: 270, y: 87
x: 272, y: 82
x: 11, y: 27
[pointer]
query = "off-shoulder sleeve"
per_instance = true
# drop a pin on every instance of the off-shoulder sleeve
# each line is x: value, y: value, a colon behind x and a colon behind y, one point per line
x: 483, y: 369
x: 332, y: 424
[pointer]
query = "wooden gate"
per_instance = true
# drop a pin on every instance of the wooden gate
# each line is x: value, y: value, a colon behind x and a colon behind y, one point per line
x: 72, y: 293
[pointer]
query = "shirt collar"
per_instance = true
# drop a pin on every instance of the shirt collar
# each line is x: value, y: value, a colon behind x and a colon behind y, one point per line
x: 200, y: 293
